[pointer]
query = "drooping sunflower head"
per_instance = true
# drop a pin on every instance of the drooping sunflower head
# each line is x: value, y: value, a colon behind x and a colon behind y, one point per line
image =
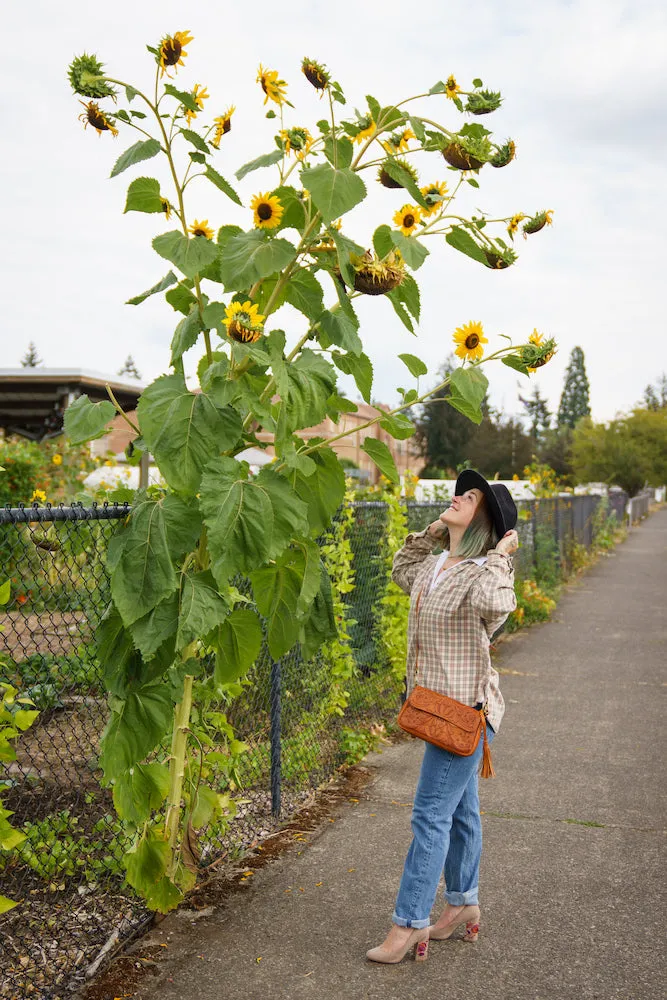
x: 243, y: 321
x: 452, y: 88
x: 483, y: 102
x: 315, y: 74
x: 536, y: 338
x: 537, y: 352
x: 376, y: 276
x: 537, y: 222
x: 385, y: 177
x: 93, y: 115
x: 513, y: 224
x: 82, y: 72
x: 399, y: 142
x: 268, y: 210
x: 297, y: 141
x: 274, y: 88
x: 500, y: 258
x: 201, y: 229
x: 504, y: 155
x: 469, y: 340
x: 199, y: 95
x: 166, y: 207
x: 171, y: 51
x: 434, y: 195
x: 223, y: 124
x: 366, y: 127
x: 408, y: 218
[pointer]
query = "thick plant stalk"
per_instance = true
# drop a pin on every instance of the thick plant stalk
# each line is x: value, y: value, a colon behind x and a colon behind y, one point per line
x: 177, y: 770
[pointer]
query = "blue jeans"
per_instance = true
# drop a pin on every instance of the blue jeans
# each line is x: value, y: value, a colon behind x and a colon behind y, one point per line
x: 447, y: 835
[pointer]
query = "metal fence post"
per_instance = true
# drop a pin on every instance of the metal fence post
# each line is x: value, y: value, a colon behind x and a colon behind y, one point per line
x: 275, y: 738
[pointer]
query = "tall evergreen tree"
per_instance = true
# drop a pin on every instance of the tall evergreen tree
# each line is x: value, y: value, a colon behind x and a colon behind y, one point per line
x: 538, y: 414
x: 574, y: 401
x: 442, y: 431
x: 130, y: 368
x: 650, y: 398
x: 31, y: 359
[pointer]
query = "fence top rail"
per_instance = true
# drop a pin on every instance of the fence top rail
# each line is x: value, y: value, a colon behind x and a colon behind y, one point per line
x: 24, y: 514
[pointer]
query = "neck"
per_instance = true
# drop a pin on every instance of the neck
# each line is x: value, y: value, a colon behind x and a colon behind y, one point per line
x: 455, y: 536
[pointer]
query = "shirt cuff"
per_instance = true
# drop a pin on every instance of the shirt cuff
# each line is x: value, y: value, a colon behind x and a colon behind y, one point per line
x: 424, y: 533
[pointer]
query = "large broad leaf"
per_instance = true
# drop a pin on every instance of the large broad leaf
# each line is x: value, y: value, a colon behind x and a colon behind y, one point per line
x: 136, y: 726
x: 143, y: 150
x: 143, y: 195
x: 413, y: 252
x: 202, y: 609
x: 414, y: 364
x: 304, y: 292
x: 181, y: 298
x: 379, y: 452
x: 169, y: 279
x: 304, y: 386
x: 337, y: 328
x: 344, y: 248
x: 406, y: 294
x: 184, y: 430
x: 323, y: 490
x: 294, y: 213
x: 237, y: 645
x: 86, y: 421
x: 189, y: 255
x: 398, y: 426
x: 277, y: 589
x: 334, y: 192
x: 360, y: 368
x: 464, y: 243
x: 320, y: 625
x: 248, y: 521
x: 186, y: 334
x: 512, y: 361
x: 267, y: 160
x: 468, y: 387
x: 139, y: 791
x: 249, y: 257
x: 195, y: 139
x: 151, y: 630
x: 222, y: 184
x: 187, y: 100
x: 383, y: 240
x: 399, y: 174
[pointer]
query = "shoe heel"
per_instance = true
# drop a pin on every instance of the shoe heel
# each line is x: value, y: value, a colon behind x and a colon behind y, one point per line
x: 471, y: 931
x: 421, y: 951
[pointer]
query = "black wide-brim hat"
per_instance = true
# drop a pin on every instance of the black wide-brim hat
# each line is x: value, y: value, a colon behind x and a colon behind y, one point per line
x: 503, y: 509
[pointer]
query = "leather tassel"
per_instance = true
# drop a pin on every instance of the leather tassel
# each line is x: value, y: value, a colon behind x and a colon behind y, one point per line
x: 487, y: 767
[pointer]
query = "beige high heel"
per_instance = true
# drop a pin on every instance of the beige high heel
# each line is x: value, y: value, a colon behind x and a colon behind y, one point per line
x: 417, y: 941
x: 468, y: 915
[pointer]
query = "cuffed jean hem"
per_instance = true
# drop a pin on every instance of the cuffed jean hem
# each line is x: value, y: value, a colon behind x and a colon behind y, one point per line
x: 415, y: 924
x: 470, y: 898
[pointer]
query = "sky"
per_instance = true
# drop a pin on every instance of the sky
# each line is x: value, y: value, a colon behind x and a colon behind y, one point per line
x: 584, y: 86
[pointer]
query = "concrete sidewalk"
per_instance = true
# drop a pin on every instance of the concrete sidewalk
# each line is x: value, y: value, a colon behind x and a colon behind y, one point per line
x: 573, y: 875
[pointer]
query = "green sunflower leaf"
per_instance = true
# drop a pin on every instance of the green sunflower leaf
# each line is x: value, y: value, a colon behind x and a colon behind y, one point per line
x: 337, y: 328
x: 398, y: 425
x: 417, y: 127
x: 195, y: 139
x: 181, y: 299
x: 139, y: 791
x: 136, y: 726
x: 267, y: 160
x: 252, y: 256
x: 304, y: 292
x: 154, y: 628
x: 143, y: 195
x: 322, y: 490
x: 513, y: 362
x: 187, y: 100
x: 277, y: 589
x: 143, y: 150
x: 413, y: 252
x: 380, y: 454
x: 304, y: 386
x: 334, y: 192
x: 338, y: 152
x: 382, y: 241
x: 222, y: 184
x: 237, y: 645
x: 360, y: 368
x: 86, y: 421
x: 405, y: 179
x: 169, y: 279
x: 415, y: 365
x: 320, y: 625
x: 202, y: 609
x: 464, y: 243
x: 294, y: 215
x: 438, y: 88
x: 184, y: 429
x: 186, y: 334
x: 467, y: 389
x: 400, y: 309
x: 189, y: 255
x: 345, y: 247
x: 197, y: 157
x: 408, y: 294
x: 130, y: 93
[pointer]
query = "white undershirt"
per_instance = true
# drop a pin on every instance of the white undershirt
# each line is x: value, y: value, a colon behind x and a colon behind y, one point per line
x: 480, y: 560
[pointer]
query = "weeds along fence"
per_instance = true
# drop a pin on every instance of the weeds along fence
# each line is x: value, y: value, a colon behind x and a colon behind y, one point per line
x: 297, y: 721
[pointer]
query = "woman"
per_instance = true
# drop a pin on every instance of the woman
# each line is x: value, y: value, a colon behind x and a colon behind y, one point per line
x: 458, y: 601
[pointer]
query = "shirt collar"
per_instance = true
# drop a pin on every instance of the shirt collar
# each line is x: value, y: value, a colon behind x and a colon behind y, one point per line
x: 480, y: 560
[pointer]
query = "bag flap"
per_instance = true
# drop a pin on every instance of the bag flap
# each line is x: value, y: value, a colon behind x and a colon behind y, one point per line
x: 442, y: 707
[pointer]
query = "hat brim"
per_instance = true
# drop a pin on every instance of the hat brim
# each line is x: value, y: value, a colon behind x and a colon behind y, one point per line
x: 470, y: 479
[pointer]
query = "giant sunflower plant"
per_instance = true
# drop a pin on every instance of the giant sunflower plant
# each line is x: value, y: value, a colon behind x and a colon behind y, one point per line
x: 177, y: 619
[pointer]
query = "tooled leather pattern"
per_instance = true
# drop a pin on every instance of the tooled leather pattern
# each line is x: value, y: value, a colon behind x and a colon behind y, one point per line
x: 454, y: 733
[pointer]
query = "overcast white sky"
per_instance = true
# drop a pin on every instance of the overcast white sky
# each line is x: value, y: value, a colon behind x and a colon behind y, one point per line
x: 585, y: 93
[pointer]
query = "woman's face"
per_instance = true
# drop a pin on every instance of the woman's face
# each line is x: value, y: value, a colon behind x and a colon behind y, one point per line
x: 462, y: 509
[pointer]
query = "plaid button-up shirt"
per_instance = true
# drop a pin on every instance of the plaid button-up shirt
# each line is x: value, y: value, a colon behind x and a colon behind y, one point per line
x: 454, y: 621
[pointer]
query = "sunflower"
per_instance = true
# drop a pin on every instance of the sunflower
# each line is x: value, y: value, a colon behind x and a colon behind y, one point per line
x: 223, y: 124
x: 470, y: 339
x: 93, y: 115
x: 538, y: 221
x: 537, y: 351
x: 315, y: 73
x: 201, y: 229
x: 399, y: 141
x: 536, y: 338
x: 408, y: 219
x: 38, y: 496
x: 505, y: 154
x: 452, y: 88
x: 82, y: 73
x: 243, y: 322
x: 166, y: 207
x: 297, y: 141
x: 199, y: 95
x: 268, y: 210
x: 513, y: 224
x: 172, y: 49
x: 366, y: 128
x: 274, y: 89
x: 385, y: 177
x: 374, y: 276
x: 433, y: 196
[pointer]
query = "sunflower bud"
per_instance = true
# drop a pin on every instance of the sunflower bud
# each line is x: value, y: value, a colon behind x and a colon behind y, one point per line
x: 84, y: 73
x: 483, y: 102
x: 374, y: 276
x: 537, y: 222
x: 504, y: 155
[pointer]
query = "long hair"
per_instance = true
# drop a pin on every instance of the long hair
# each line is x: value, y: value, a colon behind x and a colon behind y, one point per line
x: 479, y: 536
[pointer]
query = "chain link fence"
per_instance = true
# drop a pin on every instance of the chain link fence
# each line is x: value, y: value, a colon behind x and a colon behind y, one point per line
x: 68, y: 873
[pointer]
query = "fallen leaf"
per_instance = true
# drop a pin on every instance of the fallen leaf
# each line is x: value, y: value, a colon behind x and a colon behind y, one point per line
x: 319, y: 883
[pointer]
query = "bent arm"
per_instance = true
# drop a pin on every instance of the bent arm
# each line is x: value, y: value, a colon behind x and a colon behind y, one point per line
x: 492, y: 594
x: 407, y: 561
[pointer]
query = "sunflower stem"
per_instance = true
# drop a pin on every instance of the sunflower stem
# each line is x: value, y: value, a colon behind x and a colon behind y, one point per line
x: 333, y: 128
x: 120, y: 409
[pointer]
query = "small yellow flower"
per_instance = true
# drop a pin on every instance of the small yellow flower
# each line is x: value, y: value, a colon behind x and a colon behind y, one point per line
x: 93, y: 115
x: 367, y: 128
x: 38, y: 495
x: 243, y: 322
x: 297, y: 141
x: 536, y: 338
x: 515, y: 477
x: 166, y: 207
x: 201, y: 229
x: 470, y: 339
x: 110, y: 462
x: 268, y: 210
x: 399, y: 141
x: 200, y: 94
x: 223, y: 124
x: 172, y: 50
x: 274, y: 89
x: 408, y: 219
x: 433, y: 196
x: 513, y: 224
x: 452, y: 88
x: 57, y: 459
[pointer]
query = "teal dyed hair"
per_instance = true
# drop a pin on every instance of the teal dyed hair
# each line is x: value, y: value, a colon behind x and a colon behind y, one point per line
x: 479, y: 536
